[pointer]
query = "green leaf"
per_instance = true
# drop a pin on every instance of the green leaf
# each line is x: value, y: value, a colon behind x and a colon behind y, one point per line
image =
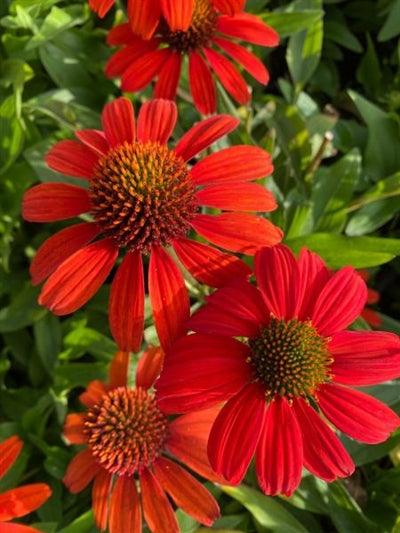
x: 12, y: 132
x: 79, y: 374
x: 391, y: 27
x: 288, y: 23
x: 369, y: 72
x: 48, y: 340
x: 23, y: 311
x: 340, y: 34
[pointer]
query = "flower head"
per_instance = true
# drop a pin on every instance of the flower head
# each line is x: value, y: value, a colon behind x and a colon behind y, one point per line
x: 20, y: 501
x: 143, y: 196
x: 280, y: 357
x: 129, y: 442
x: 208, y: 45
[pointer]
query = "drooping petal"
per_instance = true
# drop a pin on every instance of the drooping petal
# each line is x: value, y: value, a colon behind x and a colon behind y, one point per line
x: 313, y: 275
x: 23, y: 500
x: 149, y: 366
x: 201, y: 84
x: 156, y: 121
x: 233, y: 164
x: 125, y: 511
x: 57, y: 248
x: 238, y: 232
x: 364, y: 357
x: 187, y: 493
x: 168, y: 296
x: 119, y: 369
x: 126, y: 306
x: 246, y: 59
x: 157, y: 510
x: 78, y: 278
x: 209, y: 265
x: 203, y: 134
x: 101, y: 7
x: 249, y: 28
x: 93, y: 393
x: 80, y: 472
x: 168, y: 78
x: 279, y: 454
x: 118, y: 121
x: 230, y: 7
x: 324, y: 454
x: 100, y: 495
x: 95, y: 140
x: 236, y: 431
x: 122, y: 59
x: 72, y: 158
x: 144, y: 16
x: 357, y: 414
x: 229, y: 75
x: 73, y: 428
x: 9, y: 451
x: 277, y: 277
x: 49, y: 202
x: 340, y: 302
x: 143, y: 70
x: 177, y: 13
x: 237, y: 197
x: 217, y: 368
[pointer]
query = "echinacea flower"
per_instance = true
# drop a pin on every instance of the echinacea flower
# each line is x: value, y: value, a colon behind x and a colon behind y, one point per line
x: 143, y: 197
x: 280, y: 357
x: 131, y: 452
x: 373, y: 296
x: 207, y: 43
x: 20, y: 501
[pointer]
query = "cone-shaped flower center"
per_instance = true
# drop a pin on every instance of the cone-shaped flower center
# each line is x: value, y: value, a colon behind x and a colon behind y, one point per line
x: 142, y: 194
x: 290, y: 358
x: 126, y: 430
x: 200, y: 31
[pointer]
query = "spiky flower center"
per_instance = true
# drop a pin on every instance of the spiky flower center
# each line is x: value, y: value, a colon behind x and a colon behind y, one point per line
x: 126, y: 430
x: 290, y: 359
x: 199, y: 33
x: 142, y: 194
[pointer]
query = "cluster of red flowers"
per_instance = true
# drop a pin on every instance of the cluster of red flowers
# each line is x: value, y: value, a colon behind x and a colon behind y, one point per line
x: 269, y: 366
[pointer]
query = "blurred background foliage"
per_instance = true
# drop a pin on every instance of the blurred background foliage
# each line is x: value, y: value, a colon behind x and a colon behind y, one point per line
x: 330, y: 117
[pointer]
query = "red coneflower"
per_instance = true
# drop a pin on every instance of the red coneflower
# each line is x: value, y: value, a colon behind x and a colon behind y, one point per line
x: 129, y: 446
x: 143, y: 197
x: 206, y: 46
x: 20, y: 501
x: 288, y: 372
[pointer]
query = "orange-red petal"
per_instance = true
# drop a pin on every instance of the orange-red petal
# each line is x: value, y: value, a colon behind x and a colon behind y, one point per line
x: 144, y: 16
x: 237, y: 197
x: 125, y: 510
x: 9, y: 451
x: 100, y: 496
x: 157, y: 510
x: 119, y: 369
x: 202, y: 84
x: 157, y: 120
x: 177, y: 13
x: 119, y: 122
x: 168, y: 78
x: 149, y: 366
x: 80, y: 472
x: 23, y: 500
x: 73, y: 428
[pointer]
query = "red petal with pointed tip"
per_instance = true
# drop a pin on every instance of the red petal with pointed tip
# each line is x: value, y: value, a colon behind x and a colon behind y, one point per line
x: 340, y: 302
x: 156, y: 121
x: 209, y: 265
x: 324, y: 454
x: 72, y: 158
x: 187, y: 493
x: 94, y: 139
x: 313, y: 275
x: 122, y: 59
x: 78, y: 278
x: 143, y: 70
x: 80, y: 472
x: 247, y: 60
x: 203, y: 134
x: 236, y: 431
x: 217, y: 367
x: 144, y: 16
x: 118, y: 121
x: 177, y: 13
x: 233, y: 164
x: 249, y: 28
x: 238, y: 232
x: 229, y: 76
x: 119, y: 369
x: 9, y: 451
x: 49, y: 202
x: 22, y: 500
x: 202, y: 84
x: 359, y: 415
x: 94, y: 393
x: 100, y: 495
x: 168, y: 297
x: 277, y: 277
x: 126, y: 307
x: 168, y: 78
x: 237, y: 197
x: 279, y: 454
x: 149, y: 366
x: 125, y: 511
x: 101, y: 7
x: 57, y: 248
x: 230, y: 7
x: 157, y: 510
x: 73, y: 428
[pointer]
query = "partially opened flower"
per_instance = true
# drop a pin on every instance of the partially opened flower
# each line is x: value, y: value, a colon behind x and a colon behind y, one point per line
x: 144, y: 197
x: 209, y: 47
x: 132, y: 451
x: 20, y: 501
x: 280, y: 357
